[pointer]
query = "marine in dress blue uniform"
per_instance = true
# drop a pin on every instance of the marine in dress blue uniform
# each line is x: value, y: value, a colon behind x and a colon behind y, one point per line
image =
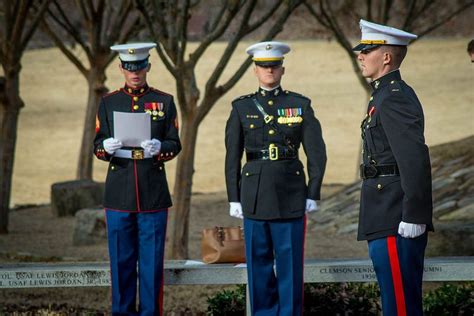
x: 136, y: 197
x: 270, y: 191
x: 396, y: 200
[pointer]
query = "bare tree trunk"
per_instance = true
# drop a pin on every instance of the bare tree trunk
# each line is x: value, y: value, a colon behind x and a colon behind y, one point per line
x: 182, y: 188
x: 11, y: 104
x: 97, y: 88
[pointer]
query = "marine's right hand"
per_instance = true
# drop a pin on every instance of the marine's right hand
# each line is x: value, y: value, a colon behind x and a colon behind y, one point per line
x: 235, y: 210
x: 111, y: 145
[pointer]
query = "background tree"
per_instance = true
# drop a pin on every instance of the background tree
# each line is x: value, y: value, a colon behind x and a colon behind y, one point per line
x: 168, y: 24
x: 341, y: 18
x: 18, y: 22
x: 417, y: 16
x: 98, y: 25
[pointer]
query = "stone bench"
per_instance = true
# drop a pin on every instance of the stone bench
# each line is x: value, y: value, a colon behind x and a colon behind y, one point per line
x: 189, y: 272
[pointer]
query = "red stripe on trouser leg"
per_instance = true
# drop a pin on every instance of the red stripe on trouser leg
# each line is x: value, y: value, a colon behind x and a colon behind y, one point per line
x: 304, y: 240
x: 396, y: 275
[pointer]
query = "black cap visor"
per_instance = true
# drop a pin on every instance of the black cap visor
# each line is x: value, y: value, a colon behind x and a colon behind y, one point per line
x: 267, y: 64
x: 135, y: 65
x: 362, y: 47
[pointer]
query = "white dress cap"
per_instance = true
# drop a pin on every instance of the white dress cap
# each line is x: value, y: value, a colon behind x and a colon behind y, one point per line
x: 133, y: 51
x: 268, y: 52
x: 376, y: 34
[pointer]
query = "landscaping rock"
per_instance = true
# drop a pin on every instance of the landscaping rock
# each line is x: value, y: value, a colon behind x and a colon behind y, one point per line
x: 89, y: 227
x: 69, y: 197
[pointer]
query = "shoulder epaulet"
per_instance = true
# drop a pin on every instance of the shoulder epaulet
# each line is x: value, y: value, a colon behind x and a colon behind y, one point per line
x: 111, y: 93
x: 295, y: 94
x: 394, y: 86
x: 244, y: 97
x: 160, y: 92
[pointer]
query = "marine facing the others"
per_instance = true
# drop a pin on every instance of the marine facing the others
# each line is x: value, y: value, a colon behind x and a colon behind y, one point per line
x: 270, y: 191
x: 137, y: 197
x: 396, y: 200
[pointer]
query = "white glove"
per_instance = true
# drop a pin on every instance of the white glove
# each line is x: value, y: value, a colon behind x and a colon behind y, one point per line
x: 409, y: 230
x: 111, y: 145
x: 153, y: 146
x: 311, y: 206
x: 235, y: 210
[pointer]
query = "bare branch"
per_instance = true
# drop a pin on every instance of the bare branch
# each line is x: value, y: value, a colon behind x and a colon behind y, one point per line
x: 100, y: 8
x: 19, y: 24
x: 170, y: 26
x: 326, y: 15
x: 66, y: 24
x: 408, y: 25
x: 276, y: 28
x: 124, y: 37
x: 90, y: 5
x: 317, y: 16
x: 409, y: 15
x: 158, y: 36
x: 443, y: 20
x: 96, y: 27
x: 264, y: 18
x: 107, y: 20
x: 182, y: 23
x: 334, y: 25
x: 195, y: 3
x: 368, y: 3
x: 159, y: 16
x: 117, y: 23
x: 133, y: 31
x: 237, y: 75
x: 58, y: 42
x: 218, y: 17
x: 228, y: 17
x: 83, y: 9
x: 10, y: 14
x: 34, y: 24
x: 232, y: 44
x: 386, y: 11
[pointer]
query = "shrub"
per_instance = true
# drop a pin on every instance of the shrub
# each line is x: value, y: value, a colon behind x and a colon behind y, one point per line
x: 341, y: 299
x: 354, y: 299
x: 319, y: 299
x: 450, y: 299
x: 229, y: 303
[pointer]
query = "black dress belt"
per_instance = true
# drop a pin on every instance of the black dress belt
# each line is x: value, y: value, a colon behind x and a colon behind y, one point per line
x: 374, y: 171
x: 273, y: 153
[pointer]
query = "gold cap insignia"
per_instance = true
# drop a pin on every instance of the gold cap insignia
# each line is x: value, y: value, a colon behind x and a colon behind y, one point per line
x: 131, y: 51
x: 268, y: 47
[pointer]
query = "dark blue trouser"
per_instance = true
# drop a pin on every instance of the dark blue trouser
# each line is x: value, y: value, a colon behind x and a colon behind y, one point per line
x: 282, y: 242
x: 398, y: 264
x: 136, y: 238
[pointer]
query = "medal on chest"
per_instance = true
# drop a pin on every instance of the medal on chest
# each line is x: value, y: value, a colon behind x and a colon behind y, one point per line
x: 290, y: 115
x: 155, y: 109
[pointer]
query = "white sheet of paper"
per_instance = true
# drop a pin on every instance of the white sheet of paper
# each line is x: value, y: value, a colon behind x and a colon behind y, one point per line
x: 132, y: 128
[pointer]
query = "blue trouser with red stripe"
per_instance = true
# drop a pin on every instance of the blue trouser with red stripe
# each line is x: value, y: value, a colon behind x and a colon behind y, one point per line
x: 280, y: 242
x: 398, y: 264
x: 136, y: 238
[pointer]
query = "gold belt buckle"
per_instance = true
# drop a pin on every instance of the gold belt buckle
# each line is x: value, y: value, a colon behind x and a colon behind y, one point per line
x: 138, y: 154
x: 273, y: 152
